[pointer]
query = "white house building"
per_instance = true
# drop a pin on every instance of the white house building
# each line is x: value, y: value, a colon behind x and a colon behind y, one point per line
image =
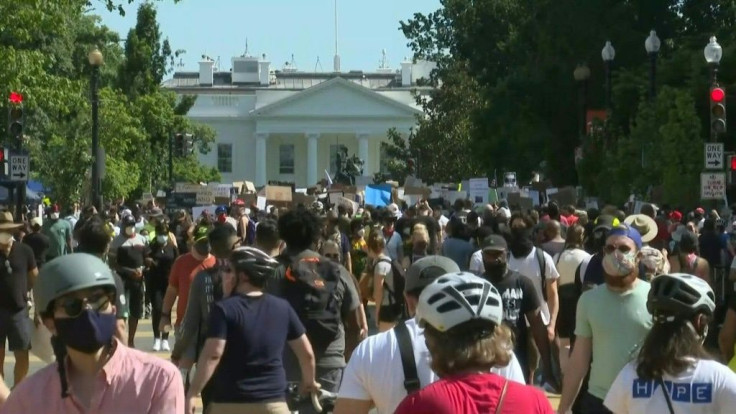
x: 288, y: 125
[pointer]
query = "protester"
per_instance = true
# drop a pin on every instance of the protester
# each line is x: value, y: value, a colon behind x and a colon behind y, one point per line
x: 462, y: 318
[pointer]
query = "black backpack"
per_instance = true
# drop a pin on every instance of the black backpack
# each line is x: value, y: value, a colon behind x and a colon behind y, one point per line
x: 396, y: 295
x: 310, y: 284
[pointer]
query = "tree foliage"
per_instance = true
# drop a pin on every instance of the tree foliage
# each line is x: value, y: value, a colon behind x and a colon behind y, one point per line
x: 521, y: 109
x: 44, y: 47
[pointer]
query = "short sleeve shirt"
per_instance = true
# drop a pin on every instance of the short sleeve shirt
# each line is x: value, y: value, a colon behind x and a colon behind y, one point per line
x: 14, y: 277
x: 529, y: 266
x: 519, y: 298
x: 251, y: 367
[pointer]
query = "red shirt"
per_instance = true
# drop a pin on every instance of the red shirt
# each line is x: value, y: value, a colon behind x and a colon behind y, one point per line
x: 185, y: 268
x: 475, y: 394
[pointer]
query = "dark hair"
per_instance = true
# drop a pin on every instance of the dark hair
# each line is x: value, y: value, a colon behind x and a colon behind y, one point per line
x: 356, y: 224
x: 669, y: 348
x: 528, y: 221
x: 93, y: 236
x: 267, y: 234
x: 299, y: 228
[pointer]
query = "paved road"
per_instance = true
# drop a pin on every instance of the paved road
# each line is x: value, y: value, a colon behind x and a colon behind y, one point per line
x: 144, y: 341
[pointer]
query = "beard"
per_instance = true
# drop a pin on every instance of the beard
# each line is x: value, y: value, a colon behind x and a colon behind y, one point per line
x: 621, y: 282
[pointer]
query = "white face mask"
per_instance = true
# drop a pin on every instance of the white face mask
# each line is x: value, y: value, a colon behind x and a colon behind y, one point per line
x: 54, y: 216
x: 162, y: 239
x: 130, y: 230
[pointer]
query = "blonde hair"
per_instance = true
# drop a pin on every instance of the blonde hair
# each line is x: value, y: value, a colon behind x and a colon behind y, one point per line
x: 461, y: 349
x: 420, y: 233
x: 375, y: 240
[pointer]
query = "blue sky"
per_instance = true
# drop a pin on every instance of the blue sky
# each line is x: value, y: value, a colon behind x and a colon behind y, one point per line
x: 281, y: 28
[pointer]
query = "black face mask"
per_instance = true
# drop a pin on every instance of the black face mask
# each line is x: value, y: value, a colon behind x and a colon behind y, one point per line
x: 495, y: 269
x: 521, y: 243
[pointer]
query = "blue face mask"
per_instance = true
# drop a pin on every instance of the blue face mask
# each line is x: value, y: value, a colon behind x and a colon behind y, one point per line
x: 88, y: 332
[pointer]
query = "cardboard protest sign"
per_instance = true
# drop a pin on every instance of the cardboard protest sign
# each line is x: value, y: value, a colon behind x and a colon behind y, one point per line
x: 347, y: 203
x: 278, y: 194
x: 564, y: 196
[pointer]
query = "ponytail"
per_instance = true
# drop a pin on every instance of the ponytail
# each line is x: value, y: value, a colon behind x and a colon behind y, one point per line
x: 60, y: 353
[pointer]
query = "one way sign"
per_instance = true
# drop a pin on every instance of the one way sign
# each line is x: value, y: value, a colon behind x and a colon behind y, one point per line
x: 19, y: 168
x: 714, y: 156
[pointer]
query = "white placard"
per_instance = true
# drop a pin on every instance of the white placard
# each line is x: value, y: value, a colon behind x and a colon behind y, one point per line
x: 714, y: 156
x: 713, y: 186
x: 478, y: 184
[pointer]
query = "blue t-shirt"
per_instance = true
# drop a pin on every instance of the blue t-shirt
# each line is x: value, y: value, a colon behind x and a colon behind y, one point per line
x: 256, y: 329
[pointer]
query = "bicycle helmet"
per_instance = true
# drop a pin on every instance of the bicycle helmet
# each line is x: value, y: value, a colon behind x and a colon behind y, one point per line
x: 70, y: 273
x: 254, y: 262
x: 317, y: 207
x: 456, y: 298
x: 220, y: 210
x: 679, y: 295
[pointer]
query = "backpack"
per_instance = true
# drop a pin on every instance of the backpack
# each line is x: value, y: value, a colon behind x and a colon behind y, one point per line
x: 396, y: 295
x: 310, y: 285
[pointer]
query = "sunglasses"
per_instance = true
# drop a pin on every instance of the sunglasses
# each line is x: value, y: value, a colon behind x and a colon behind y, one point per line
x: 622, y: 248
x: 74, y: 306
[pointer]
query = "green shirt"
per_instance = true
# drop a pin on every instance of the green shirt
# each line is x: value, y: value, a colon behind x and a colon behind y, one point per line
x: 59, y: 232
x: 617, y: 323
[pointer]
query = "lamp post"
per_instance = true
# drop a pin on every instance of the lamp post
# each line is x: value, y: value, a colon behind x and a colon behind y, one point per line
x: 581, y: 75
x: 713, y: 54
x: 96, y: 60
x: 608, y: 54
x: 652, y: 45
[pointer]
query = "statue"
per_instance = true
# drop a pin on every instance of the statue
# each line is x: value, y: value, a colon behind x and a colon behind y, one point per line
x: 348, y: 168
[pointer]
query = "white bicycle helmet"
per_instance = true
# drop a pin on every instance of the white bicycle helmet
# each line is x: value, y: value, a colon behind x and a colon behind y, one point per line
x: 317, y: 207
x: 679, y: 295
x: 456, y: 298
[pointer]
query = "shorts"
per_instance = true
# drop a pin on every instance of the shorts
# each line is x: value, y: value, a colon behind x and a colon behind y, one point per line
x: 134, y: 298
x: 17, y: 327
x: 253, y: 408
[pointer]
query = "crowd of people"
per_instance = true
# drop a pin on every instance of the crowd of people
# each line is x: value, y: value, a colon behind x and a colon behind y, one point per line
x: 408, y: 309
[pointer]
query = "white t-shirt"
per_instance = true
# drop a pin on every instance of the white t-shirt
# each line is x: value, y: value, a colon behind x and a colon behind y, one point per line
x: 374, y: 372
x: 529, y: 266
x: 476, y: 263
x: 707, y: 387
x: 567, y: 263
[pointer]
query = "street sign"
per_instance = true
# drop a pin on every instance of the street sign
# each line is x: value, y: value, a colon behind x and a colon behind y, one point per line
x: 714, y: 156
x: 713, y: 185
x: 18, y: 168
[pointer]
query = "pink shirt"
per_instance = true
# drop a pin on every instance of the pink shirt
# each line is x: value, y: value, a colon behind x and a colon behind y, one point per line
x: 130, y: 382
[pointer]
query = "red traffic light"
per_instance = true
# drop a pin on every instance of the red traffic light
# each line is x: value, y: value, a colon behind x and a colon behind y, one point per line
x: 732, y: 158
x: 717, y: 94
x: 15, y: 98
x: 2, y: 154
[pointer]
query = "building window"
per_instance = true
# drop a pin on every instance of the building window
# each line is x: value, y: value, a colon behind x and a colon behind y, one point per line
x: 383, y: 160
x: 286, y: 159
x: 334, y: 150
x: 225, y: 158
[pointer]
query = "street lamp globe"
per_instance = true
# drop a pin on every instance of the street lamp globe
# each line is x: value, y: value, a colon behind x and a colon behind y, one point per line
x: 581, y: 73
x: 95, y: 57
x: 608, y: 53
x: 713, y: 51
x: 652, y: 44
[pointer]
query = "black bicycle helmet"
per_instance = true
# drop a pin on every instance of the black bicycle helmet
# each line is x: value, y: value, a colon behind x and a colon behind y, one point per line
x: 253, y: 262
x: 679, y: 295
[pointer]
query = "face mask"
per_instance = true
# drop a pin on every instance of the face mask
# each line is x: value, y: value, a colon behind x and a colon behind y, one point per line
x: 162, y: 239
x: 618, y: 264
x: 202, y: 248
x: 130, y: 231
x: 361, y: 232
x: 495, y: 269
x: 5, y: 238
x: 521, y: 242
x: 88, y: 332
x: 54, y: 216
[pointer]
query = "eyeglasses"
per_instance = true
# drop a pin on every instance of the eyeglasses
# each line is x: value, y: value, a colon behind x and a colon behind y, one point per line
x: 74, y: 306
x: 622, y: 248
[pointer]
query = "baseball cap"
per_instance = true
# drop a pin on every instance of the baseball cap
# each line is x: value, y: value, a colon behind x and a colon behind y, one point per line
x: 700, y: 211
x: 627, y: 231
x: 494, y: 242
x: 425, y: 270
x: 605, y: 222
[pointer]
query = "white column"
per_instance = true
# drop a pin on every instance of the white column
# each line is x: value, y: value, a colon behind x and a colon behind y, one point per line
x: 312, y: 158
x: 363, y: 152
x: 261, y: 160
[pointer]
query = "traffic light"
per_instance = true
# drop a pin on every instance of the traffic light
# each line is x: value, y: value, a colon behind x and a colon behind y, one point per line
x: 15, y: 119
x: 717, y: 110
x: 188, y: 145
x: 179, y: 145
x: 5, y: 167
x: 732, y: 169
